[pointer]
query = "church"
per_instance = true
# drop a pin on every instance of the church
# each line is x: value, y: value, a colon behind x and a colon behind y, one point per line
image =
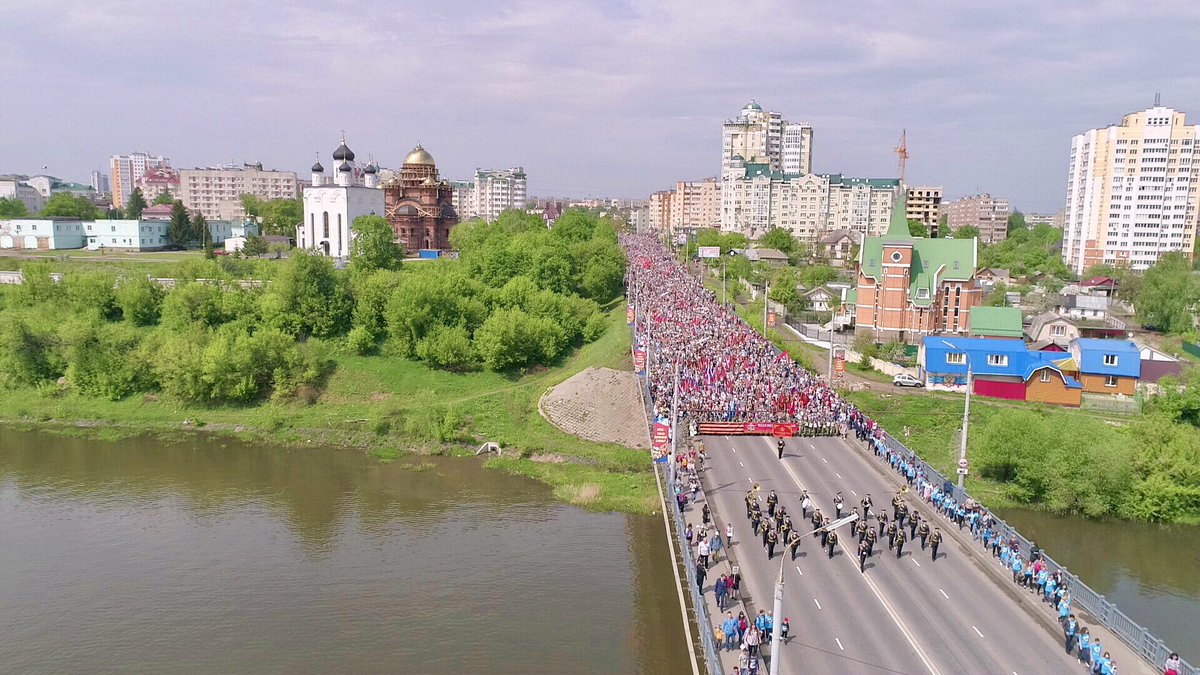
x: 419, y: 206
x: 330, y: 206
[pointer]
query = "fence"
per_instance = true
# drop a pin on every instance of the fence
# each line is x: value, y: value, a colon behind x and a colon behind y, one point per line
x: 1106, y: 613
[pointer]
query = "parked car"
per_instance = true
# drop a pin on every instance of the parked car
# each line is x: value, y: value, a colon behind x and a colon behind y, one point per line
x: 906, y: 380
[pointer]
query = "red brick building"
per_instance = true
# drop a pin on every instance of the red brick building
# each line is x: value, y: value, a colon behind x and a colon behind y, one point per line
x: 418, y: 205
x: 910, y: 287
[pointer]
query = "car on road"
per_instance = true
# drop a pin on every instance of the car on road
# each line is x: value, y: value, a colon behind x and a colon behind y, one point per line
x: 906, y: 380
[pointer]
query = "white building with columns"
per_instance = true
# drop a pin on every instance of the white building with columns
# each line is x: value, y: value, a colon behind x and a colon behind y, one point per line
x: 331, y: 205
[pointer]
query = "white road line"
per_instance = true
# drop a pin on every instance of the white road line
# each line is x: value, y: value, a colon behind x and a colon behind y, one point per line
x: 812, y: 446
x: 887, y: 606
x: 824, y: 460
x: 837, y: 474
x: 798, y: 570
x: 976, y: 631
x: 944, y: 594
x: 749, y: 479
x: 854, y: 493
x: 818, y: 604
x: 915, y: 562
x: 839, y: 644
x: 740, y: 464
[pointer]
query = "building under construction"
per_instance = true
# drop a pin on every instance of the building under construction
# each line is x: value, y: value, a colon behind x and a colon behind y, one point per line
x: 418, y: 205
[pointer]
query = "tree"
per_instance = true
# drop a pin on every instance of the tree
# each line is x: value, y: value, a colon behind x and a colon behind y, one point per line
x: 200, y: 232
x: 255, y: 245
x: 179, y: 232
x: 164, y: 197
x: 812, y: 276
x: 140, y: 300
x: 966, y: 232
x: 1016, y: 221
x: 998, y: 296
x: 783, y: 288
x: 11, y: 207
x: 916, y: 228
x: 374, y: 246
x: 779, y: 238
x: 136, y: 204
x: 308, y: 298
x: 279, y: 216
x: 66, y: 205
x: 1167, y: 295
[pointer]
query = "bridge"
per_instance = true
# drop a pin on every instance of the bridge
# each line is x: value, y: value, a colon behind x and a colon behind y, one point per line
x: 958, y: 614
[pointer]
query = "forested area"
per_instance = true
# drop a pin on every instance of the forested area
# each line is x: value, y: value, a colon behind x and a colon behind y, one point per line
x: 521, y: 295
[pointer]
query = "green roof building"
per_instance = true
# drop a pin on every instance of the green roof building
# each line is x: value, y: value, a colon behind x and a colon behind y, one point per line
x: 910, y: 287
x: 996, y: 322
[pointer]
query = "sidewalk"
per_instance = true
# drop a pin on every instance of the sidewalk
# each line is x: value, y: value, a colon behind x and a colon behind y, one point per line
x: 1128, y: 661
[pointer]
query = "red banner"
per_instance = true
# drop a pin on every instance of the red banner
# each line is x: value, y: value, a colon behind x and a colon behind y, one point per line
x: 771, y: 319
x: 639, y: 361
x: 629, y: 316
x: 660, y: 436
x: 749, y: 429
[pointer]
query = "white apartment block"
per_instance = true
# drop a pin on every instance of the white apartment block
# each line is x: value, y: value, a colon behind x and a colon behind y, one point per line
x: 462, y: 198
x: 14, y: 187
x: 757, y: 136
x: 497, y: 191
x: 126, y: 170
x: 984, y: 212
x: 216, y: 192
x: 696, y: 205
x: 659, y: 217
x: 1131, y: 191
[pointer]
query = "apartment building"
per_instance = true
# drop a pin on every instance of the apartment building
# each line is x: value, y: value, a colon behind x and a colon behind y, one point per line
x: 496, y: 191
x: 695, y: 205
x: 659, y: 216
x: 1131, y: 191
x: 758, y: 136
x: 216, y: 192
x: 924, y: 204
x: 126, y: 170
x: 984, y: 212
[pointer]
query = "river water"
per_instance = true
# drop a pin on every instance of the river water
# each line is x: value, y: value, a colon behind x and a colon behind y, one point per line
x: 1151, y: 572
x: 209, y: 555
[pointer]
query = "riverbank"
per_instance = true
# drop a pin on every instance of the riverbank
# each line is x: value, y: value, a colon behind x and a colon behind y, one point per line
x: 388, y: 407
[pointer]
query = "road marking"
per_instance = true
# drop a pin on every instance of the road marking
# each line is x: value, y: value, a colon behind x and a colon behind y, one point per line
x: 798, y: 570
x: 818, y: 604
x: 944, y: 594
x: 733, y: 449
x: 915, y: 562
x: 751, y: 480
x: 740, y: 464
x: 976, y: 631
x: 852, y: 560
x: 854, y: 493
x: 823, y: 459
x: 839, y: 644
x: 812, y: 446
x: 837, y: 474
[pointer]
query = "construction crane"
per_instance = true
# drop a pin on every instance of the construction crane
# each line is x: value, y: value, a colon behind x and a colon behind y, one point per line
x: 902, y: 152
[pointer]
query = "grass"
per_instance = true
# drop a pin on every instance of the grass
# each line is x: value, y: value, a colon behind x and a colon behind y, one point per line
x: 391, y: 407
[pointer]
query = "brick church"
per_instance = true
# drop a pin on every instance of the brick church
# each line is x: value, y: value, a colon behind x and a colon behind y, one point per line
x: 418, y: 205
x: 910, y: 287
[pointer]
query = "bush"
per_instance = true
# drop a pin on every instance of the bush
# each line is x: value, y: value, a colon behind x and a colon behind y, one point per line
x: 360, y: 341
x: 140, y: 300
x: 192, y: 303
x: 595, y: 327
x: 104, y: 361
x: 27, y: 356
x: 446, y: 347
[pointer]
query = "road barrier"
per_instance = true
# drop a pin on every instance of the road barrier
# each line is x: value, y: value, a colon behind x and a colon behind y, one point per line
x: 1106, y: 613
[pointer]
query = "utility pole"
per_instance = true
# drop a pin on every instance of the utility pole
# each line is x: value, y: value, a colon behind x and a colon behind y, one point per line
x: 674, y: 427
x: 962, y: 452
x: 724, y: 295
x: 766, y: 292
x: 831, y: 358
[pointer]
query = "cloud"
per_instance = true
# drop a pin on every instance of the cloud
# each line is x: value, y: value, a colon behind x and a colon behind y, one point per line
x: 606, y: 97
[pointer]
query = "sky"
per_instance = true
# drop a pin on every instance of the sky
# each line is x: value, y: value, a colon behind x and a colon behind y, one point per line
x: 614, y: 99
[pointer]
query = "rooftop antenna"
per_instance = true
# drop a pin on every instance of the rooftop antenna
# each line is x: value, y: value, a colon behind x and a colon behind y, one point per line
x: 1157, y: 99
x: 902, y: 152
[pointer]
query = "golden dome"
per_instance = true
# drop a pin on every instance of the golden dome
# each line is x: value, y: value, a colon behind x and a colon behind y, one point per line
x: 419, y: 156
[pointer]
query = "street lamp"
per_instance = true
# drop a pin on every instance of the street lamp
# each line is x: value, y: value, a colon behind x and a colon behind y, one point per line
x: 675, y: 409
x: 962, y: 453
x: 777, y: 629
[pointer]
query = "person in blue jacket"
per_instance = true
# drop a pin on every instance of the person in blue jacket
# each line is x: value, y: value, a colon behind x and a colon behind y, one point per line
x: 1085, y: 646
x: 1016, y: 569
x: 1097, y: 654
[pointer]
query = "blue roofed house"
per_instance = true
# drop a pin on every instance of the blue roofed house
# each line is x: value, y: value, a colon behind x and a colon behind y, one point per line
x: 1000, y: 368
x: 1106, y: 366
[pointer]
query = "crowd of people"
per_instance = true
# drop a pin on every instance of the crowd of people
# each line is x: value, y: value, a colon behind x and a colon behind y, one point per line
x: 730, y: 373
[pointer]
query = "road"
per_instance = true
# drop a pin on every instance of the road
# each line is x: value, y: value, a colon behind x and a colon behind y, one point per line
x: 906, y: 615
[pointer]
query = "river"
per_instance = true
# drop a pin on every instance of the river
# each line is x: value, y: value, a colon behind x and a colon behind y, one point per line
x: 1151, y: 572
x: 210, y: 555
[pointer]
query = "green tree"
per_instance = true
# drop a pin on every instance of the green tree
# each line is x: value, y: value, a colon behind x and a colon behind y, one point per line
x: 255, y: 245
x: 998, y: 296
x: 779, y: 238
x: 1168, y: 295
x: 192, y: 303
x: 11, y: 207
x: 812, y: 276
x: 508, y: 339
x: 179, y: 231
x: 200, y: 232
x: 374, y: 246
x: 140, y: 300
x: 308, y: 298
x: 966, y: 232
x: 136, y: 204
x: 163, y: 198
x: 783, y: 288
x: 447, y: 347
x: 279, y: 216
x: 1016, y: 221
x: 28, y: 356
x: 916, y: 228
x: 66, y: 205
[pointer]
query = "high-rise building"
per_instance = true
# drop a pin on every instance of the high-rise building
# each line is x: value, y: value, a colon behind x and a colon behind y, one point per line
x: 463, y: 198
x: 757, y: 136
x: 100, y: 183
x: 983, y: 212
x: 696, y: 205
x: 126, y: 170
x: 497, y: 191
x: 660, y: 211
x: 217, y: 192
x: 1131, y: 191
x: 924, y: 203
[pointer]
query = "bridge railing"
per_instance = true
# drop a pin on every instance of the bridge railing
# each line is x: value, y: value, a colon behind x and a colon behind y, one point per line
x: 1083, y: 596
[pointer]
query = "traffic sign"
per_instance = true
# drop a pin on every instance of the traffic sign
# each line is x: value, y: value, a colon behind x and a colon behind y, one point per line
x: 962, y: 463
x: 962, y: 470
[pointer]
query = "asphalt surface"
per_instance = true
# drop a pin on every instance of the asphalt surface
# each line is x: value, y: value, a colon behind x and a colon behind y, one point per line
x: 906, y: 615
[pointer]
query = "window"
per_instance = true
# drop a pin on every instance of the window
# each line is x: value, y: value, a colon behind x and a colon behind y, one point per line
x: 1110, y: 359
x: 326, y: 221
x: 956, y: 358
x: 1000, y: 360
x: 1045, y: 375
x: 897, y: 256
x: 923, y: 293
x: 1110, y: 380
x: 1058, y: 331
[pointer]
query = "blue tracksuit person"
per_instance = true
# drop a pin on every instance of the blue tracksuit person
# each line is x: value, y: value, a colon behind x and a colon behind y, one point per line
x: 1085, y: 647
x: 1069, y: 632
x: 1097, y: 654
x: 1016, y: 570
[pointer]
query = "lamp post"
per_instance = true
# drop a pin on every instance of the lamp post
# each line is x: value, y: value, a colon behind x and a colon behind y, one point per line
x: 777, y: 610
x: 962, y: 453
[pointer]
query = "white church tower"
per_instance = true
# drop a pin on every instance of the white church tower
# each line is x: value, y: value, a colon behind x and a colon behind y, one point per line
x: 330, y: 207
